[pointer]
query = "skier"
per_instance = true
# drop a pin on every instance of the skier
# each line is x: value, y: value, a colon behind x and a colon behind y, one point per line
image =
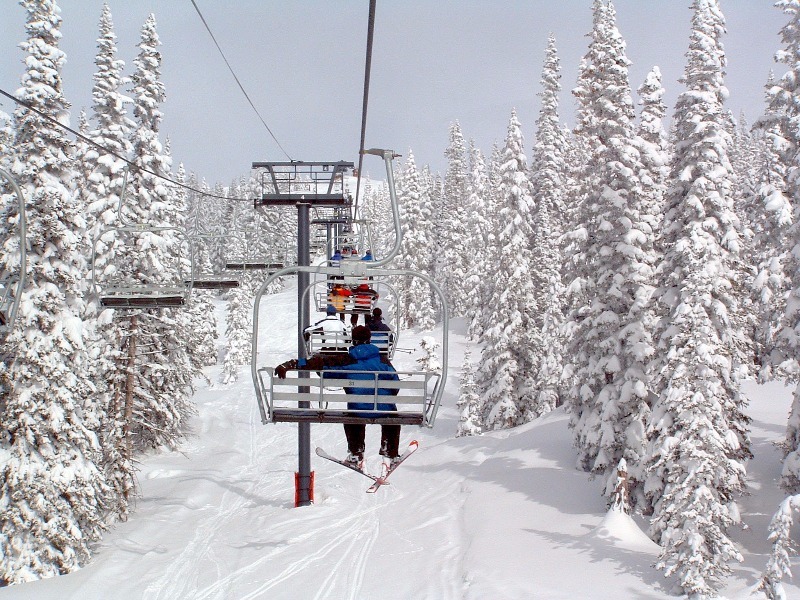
x: 362, y: 356
x: 382, y: 334
x: 332, y: 326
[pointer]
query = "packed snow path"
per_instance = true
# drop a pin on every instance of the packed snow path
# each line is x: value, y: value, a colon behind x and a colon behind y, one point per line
x: 504, y: 515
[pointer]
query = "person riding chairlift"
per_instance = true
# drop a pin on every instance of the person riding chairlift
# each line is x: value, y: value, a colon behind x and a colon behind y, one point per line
x: 362, y: 356
x: 330, y: 325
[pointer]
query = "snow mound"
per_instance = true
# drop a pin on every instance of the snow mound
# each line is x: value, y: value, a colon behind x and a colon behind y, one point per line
x: 622, y: 531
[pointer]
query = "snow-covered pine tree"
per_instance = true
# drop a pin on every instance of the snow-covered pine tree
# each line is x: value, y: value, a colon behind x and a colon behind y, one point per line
x: 578, y: 269
x: 6, y: 138
x: 484, y: 256
x: 416, y: 306
x: 513, y: 345
x: 238, y: 329
x: 469, y: 402
x: 201, y: 324
x: 102, y: 190
x: 429, y: 361
x: 771, y: 228
x: 610, y: 409
x: 160, y: 368
x: 653, y: 144
x: 51, y: 489
x: 698, y: 442
x: 478, y: 229
x: 781, y: 118
x: 779, y: 563
x: 378, y: 211
x: 547, y: 185
x: 450, y: 263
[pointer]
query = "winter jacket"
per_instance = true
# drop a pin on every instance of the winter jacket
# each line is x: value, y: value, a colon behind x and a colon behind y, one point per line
x: 338, y: 298
x: 330, y: 324
x: 365, y: 357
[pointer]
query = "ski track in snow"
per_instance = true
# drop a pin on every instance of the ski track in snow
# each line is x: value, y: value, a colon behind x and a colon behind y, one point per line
x: 334, y: 544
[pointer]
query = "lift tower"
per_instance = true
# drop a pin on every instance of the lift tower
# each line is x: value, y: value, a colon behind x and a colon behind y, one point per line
x: 304, y: 185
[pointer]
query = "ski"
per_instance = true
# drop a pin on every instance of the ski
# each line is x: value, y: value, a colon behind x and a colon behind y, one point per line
x: 322, y: 454
x: 379, y: 481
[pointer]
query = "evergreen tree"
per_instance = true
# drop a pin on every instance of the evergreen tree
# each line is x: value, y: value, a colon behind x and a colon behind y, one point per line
x: 770, y: 221
x: 610, y: 409
x: 484, y: 260
x: 6, y: 138
x: 51, y: 490
x: 469, y: 408
x: 201, y: 324
x: 513, y: 344
x: 239, y: 329
x: 779, y: 563
x: 478, y: 229
x: 416, y: 307
x: 102, y: 191
x: 699, y: 437
x: 781, y: 122
x: 160, y: 367
x: 547, y: 184
x: 653, y: 145
x: 450, y: 261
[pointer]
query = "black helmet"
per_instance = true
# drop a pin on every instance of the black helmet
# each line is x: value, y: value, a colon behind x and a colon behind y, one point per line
x: 361, y: 335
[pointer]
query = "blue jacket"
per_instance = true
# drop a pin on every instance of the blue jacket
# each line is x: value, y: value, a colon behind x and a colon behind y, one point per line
x: 367, y: 358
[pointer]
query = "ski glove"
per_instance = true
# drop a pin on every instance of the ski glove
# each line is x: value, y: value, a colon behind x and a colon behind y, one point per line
x: 281, y: 369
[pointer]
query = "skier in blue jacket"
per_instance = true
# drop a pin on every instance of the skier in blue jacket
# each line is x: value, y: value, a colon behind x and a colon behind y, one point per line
x: 362, y: 356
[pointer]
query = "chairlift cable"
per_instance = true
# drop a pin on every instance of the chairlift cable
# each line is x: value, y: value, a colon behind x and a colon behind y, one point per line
x: 367, y: 68
x: 128, y: 162
x: 239, y: 83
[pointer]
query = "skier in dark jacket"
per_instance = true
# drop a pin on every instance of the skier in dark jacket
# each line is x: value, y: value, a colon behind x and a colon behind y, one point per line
x: 362, y: 356
x: 382, y: 334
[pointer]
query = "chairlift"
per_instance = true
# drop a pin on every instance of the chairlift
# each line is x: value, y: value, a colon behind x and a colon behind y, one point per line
x: 12, y: 278
x: 122, y: 286
x: 205, y: 277
x: 325, y: 342
x: 247, y: 254
x: 305, y: 397
x: 356, y: 241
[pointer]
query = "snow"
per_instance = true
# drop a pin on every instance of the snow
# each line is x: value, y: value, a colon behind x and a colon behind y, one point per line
x: 502, y: 515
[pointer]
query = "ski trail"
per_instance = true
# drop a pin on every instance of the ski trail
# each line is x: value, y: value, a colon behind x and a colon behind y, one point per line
x: 199, y: 557
x: 321, y: 555
x: 353, y: 573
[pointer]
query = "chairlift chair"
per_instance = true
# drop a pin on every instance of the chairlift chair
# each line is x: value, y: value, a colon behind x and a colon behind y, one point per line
x: 205, y: 277
x: 121, y: 284
x: 247, y: 254
x: 305, y: 397
x: 324, y: 342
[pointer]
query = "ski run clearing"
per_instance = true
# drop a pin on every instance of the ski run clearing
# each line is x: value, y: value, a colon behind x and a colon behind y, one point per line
x: 504, y: 515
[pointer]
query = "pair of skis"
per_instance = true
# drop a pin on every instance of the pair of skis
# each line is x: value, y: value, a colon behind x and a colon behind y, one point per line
x: 377, y: 481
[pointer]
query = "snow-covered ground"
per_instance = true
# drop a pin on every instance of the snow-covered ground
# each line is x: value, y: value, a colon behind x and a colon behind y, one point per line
x: 502, y: 516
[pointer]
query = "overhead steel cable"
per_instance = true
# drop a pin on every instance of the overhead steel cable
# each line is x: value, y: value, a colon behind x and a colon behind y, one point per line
x: 367, y: 68
x: 239, y: 83
x: 127, y: 161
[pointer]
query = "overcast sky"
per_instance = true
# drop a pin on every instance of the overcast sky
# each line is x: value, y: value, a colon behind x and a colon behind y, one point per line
x: 434, y: 62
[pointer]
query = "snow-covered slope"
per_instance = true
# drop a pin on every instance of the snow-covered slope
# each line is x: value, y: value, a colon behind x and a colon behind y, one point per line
x: 504, y: 515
